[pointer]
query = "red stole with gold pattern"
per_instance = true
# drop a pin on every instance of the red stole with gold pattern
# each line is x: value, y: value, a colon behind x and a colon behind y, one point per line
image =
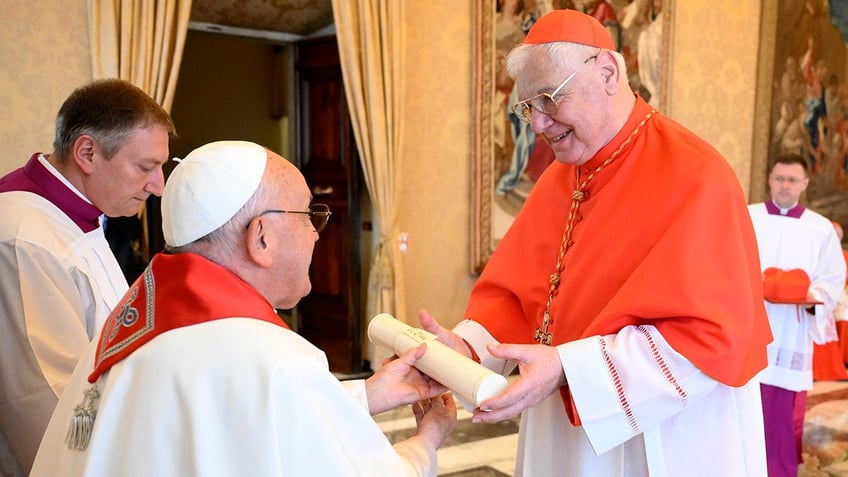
x: 174, y: 291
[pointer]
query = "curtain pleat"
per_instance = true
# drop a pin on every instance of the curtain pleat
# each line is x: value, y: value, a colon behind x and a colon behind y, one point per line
x: 140, y: 41
x: 370, y: 36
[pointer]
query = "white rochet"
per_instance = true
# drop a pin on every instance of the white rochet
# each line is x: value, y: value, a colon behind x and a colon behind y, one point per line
x: 472, y: 382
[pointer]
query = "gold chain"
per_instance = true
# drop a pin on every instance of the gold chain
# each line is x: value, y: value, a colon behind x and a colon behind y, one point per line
x: 542, y: 335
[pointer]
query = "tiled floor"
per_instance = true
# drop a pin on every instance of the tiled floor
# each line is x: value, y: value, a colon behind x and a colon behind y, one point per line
x: 473, y: 450
x: 826, y: 431
x: 488, y: 450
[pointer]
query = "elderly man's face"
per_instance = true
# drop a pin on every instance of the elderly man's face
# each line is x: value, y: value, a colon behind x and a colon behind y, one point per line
x: 297, y: 233
x: 580, y: 125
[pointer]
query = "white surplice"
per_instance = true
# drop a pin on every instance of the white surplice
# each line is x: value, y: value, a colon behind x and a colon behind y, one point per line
x: 228, y: 397
x: 634, y: 421
x: 58, y: 286
x: 809, y: 243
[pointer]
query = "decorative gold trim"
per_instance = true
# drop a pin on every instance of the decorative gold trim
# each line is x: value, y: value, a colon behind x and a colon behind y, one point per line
x: 667, y: 55
x: 482, y: 148
x: 757, y: 188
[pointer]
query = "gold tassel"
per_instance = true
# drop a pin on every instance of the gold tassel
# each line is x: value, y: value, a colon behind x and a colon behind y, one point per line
x: 79, y: 433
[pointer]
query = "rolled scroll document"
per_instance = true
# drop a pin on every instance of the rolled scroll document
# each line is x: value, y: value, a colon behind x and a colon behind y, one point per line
x: 469, y: 380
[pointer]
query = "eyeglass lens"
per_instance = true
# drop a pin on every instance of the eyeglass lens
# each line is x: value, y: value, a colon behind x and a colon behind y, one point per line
x: 544, y: 102
x: 790, y: 180
x: 319, y: 214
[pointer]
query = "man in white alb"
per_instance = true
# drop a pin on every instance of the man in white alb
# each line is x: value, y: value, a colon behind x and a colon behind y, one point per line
x: 791, y: 237
x: 59, y: 277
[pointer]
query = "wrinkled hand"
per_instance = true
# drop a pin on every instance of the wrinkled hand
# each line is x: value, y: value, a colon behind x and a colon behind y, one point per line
x: 436, y: 418
x: 541, y: 375
x: 444, y: 335
x: 398, y: 383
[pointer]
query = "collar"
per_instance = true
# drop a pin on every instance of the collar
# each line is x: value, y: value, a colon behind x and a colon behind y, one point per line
x: 637, y: 115
x: 794, y: 212
x: 174, y: 291
x: 38, y: 177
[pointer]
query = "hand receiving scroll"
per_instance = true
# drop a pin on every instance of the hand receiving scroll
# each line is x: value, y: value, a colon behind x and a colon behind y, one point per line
x: 397, y: 383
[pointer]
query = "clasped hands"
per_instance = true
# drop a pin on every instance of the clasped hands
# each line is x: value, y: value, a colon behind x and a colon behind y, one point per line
x: 397, y: 383
x: 540, y: 373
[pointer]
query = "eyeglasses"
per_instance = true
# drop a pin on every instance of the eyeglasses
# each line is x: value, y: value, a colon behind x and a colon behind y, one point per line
x: 545, y: 103
x: 319, y: 215
x: 789, y: 180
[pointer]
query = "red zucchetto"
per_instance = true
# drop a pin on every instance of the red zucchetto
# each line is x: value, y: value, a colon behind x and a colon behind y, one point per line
x: 572, y: 26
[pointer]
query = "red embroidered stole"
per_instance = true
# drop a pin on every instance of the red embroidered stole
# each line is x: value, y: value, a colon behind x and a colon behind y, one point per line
x: 175, y: 291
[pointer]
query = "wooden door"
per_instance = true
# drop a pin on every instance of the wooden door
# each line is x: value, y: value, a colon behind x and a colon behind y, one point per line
x: 329, y: 316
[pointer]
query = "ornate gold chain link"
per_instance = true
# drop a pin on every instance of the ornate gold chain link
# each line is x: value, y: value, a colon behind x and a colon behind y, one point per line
x: 542, y: 335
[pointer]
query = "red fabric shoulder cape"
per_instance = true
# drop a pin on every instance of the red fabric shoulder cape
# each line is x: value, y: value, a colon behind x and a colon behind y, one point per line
x: 663, y: 238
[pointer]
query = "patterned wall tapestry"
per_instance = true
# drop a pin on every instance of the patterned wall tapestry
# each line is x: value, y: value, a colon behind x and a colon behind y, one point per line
x: 508, y: 157
x: 810, y: 98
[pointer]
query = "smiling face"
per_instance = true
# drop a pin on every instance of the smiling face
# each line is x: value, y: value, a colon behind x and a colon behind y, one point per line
x: 119, y: 186
x: 581, y: 124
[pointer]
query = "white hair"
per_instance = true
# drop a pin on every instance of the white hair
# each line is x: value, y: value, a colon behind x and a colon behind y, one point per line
x: 222, y: 244
x: 562, y: 52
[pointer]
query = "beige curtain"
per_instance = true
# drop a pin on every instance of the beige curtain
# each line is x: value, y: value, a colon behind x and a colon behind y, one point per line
x: 370, y: 35
x: 140, y: 41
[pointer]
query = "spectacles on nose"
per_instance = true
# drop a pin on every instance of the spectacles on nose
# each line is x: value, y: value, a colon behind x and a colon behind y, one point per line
x: 545, y: 103
x: 319, y: 215
x: 789, y: 180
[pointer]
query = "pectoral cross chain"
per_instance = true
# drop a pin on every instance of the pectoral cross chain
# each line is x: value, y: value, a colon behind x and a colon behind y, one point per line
x: 542, y: 335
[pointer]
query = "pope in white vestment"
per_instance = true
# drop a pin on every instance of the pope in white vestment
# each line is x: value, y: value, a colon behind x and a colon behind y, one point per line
x: 229, y: 397
x: 195, y: 374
